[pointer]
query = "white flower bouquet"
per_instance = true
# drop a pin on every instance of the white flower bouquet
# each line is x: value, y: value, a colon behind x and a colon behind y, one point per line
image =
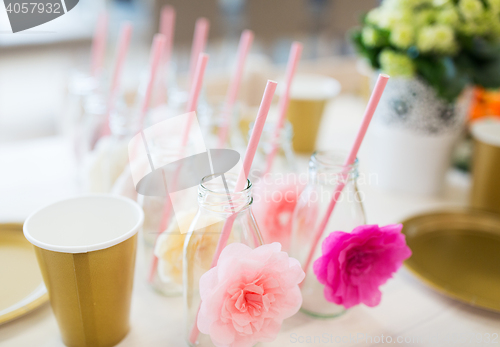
x: 450, y: 44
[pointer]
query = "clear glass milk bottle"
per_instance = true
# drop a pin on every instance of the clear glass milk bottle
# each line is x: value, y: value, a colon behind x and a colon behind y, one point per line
x: 80, y: 86
x: 162, y: 236
x: 222, y: 126
x: 277, y: 187
x: 89, y: 125
x: 108, y: 156
x: 326, y: 171
x: 216, y: 206
x: 284, y: 159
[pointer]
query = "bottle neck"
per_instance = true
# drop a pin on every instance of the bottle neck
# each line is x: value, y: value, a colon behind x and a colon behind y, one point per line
x: 123, y: 121
x: 219, y: 111
x: 82, y: 84
x: 327, y: 168
x: 216, y: 194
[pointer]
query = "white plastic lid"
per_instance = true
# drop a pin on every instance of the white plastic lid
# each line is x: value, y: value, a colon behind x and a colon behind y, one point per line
x: 84, y: 224
x: 312, y: 87
x: 487, y: 130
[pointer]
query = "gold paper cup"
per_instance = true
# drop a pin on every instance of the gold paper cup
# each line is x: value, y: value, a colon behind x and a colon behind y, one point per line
x: 308, y: 97
x: 485, y: 193
x: 86, y: 249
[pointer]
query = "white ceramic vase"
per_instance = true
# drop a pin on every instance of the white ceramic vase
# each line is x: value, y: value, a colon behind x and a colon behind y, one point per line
x: 412, y: 136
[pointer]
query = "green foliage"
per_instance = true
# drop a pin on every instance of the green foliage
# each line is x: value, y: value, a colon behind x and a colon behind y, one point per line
x: 371, y: 53
x: 475, y: 61
x: 442, y: 73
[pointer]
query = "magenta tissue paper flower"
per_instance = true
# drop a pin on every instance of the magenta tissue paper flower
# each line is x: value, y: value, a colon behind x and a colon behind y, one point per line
x: 354, y: 265
x: 246, y: 297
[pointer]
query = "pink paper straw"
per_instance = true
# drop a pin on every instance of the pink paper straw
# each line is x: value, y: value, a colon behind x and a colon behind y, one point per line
x: 265, y: 105
x: 154, y: 62
x: 99, y: 45
x: 199, y: 41
x: 191, y: 107
x: 195, y: 93
x: 199, y: 73
x: 253, y: 143
x: 167, y: 28
x: 123, y: 44
x: 291, y: 67
x: 234, y: 86
x: 370, y: 110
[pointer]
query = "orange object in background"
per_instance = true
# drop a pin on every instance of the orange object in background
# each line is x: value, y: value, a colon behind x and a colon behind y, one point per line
x: 484, y: 103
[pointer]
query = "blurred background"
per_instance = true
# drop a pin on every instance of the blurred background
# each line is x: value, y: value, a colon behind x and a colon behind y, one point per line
x: 35, y: 65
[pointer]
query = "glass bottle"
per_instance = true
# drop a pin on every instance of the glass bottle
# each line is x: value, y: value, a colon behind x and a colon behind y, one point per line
x: 88, y: 129
x: 284, y: 160
x: 277, y: 190
x: 326, y: 171
x: 178, y: 90
x: 162, y: 236
x: 178, y: 95
x: 215, y: 117
x: 215, y: 207
x: 108, y: 155
x: 80, y: 86
x: 165, y: 87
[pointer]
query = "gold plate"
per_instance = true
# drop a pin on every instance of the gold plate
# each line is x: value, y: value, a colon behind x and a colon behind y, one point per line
x: 457, y: 253
x: 22, y: 289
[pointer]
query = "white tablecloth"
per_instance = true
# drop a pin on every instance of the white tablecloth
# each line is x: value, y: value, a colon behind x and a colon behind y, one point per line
x: 38, y: 172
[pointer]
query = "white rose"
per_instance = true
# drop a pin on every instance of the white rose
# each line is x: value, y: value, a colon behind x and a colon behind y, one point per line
x: 389, y: 18
x: 494, y: 6
x: 373, y: 16
x: 471, y: 8
x: 445, y: 38
x: 402, y: 36
x: 396, y: 64
x: 401, y: 4
x: 448, y: 16
x: 370, y: 36
x: 441, y: 2
x: 479, y: 26
x: 438, y: 38
x: 423, y: 17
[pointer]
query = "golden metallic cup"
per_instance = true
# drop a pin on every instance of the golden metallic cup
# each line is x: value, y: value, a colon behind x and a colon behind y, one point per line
x: 86, y: 250
x: 485, y: 193
x: 308, y: 98
x: 305, y: 117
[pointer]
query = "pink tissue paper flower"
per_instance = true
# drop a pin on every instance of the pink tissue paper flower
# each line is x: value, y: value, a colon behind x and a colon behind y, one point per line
x: 246, y: 297
x: 274, y: 209
x: 354, y: 265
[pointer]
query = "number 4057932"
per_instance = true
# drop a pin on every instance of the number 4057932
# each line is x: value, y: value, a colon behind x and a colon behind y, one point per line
x: 33, y: 7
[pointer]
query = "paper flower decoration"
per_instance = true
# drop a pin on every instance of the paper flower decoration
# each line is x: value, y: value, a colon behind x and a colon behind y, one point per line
x: 170, y: 245
x: 169, y: 249
x: 354, y: 265
x: 274, y: 211
x: 105, y: 164
x: 246, y: 297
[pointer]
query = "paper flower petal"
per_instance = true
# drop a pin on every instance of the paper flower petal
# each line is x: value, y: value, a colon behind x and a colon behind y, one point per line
x: 240, y: 308
x: 354, y: 265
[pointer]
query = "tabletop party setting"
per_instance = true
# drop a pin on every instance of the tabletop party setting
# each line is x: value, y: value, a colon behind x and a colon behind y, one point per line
x: 239, y: 173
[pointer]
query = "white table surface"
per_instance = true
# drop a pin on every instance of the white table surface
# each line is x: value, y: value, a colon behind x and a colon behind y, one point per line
x: 37, y: 172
